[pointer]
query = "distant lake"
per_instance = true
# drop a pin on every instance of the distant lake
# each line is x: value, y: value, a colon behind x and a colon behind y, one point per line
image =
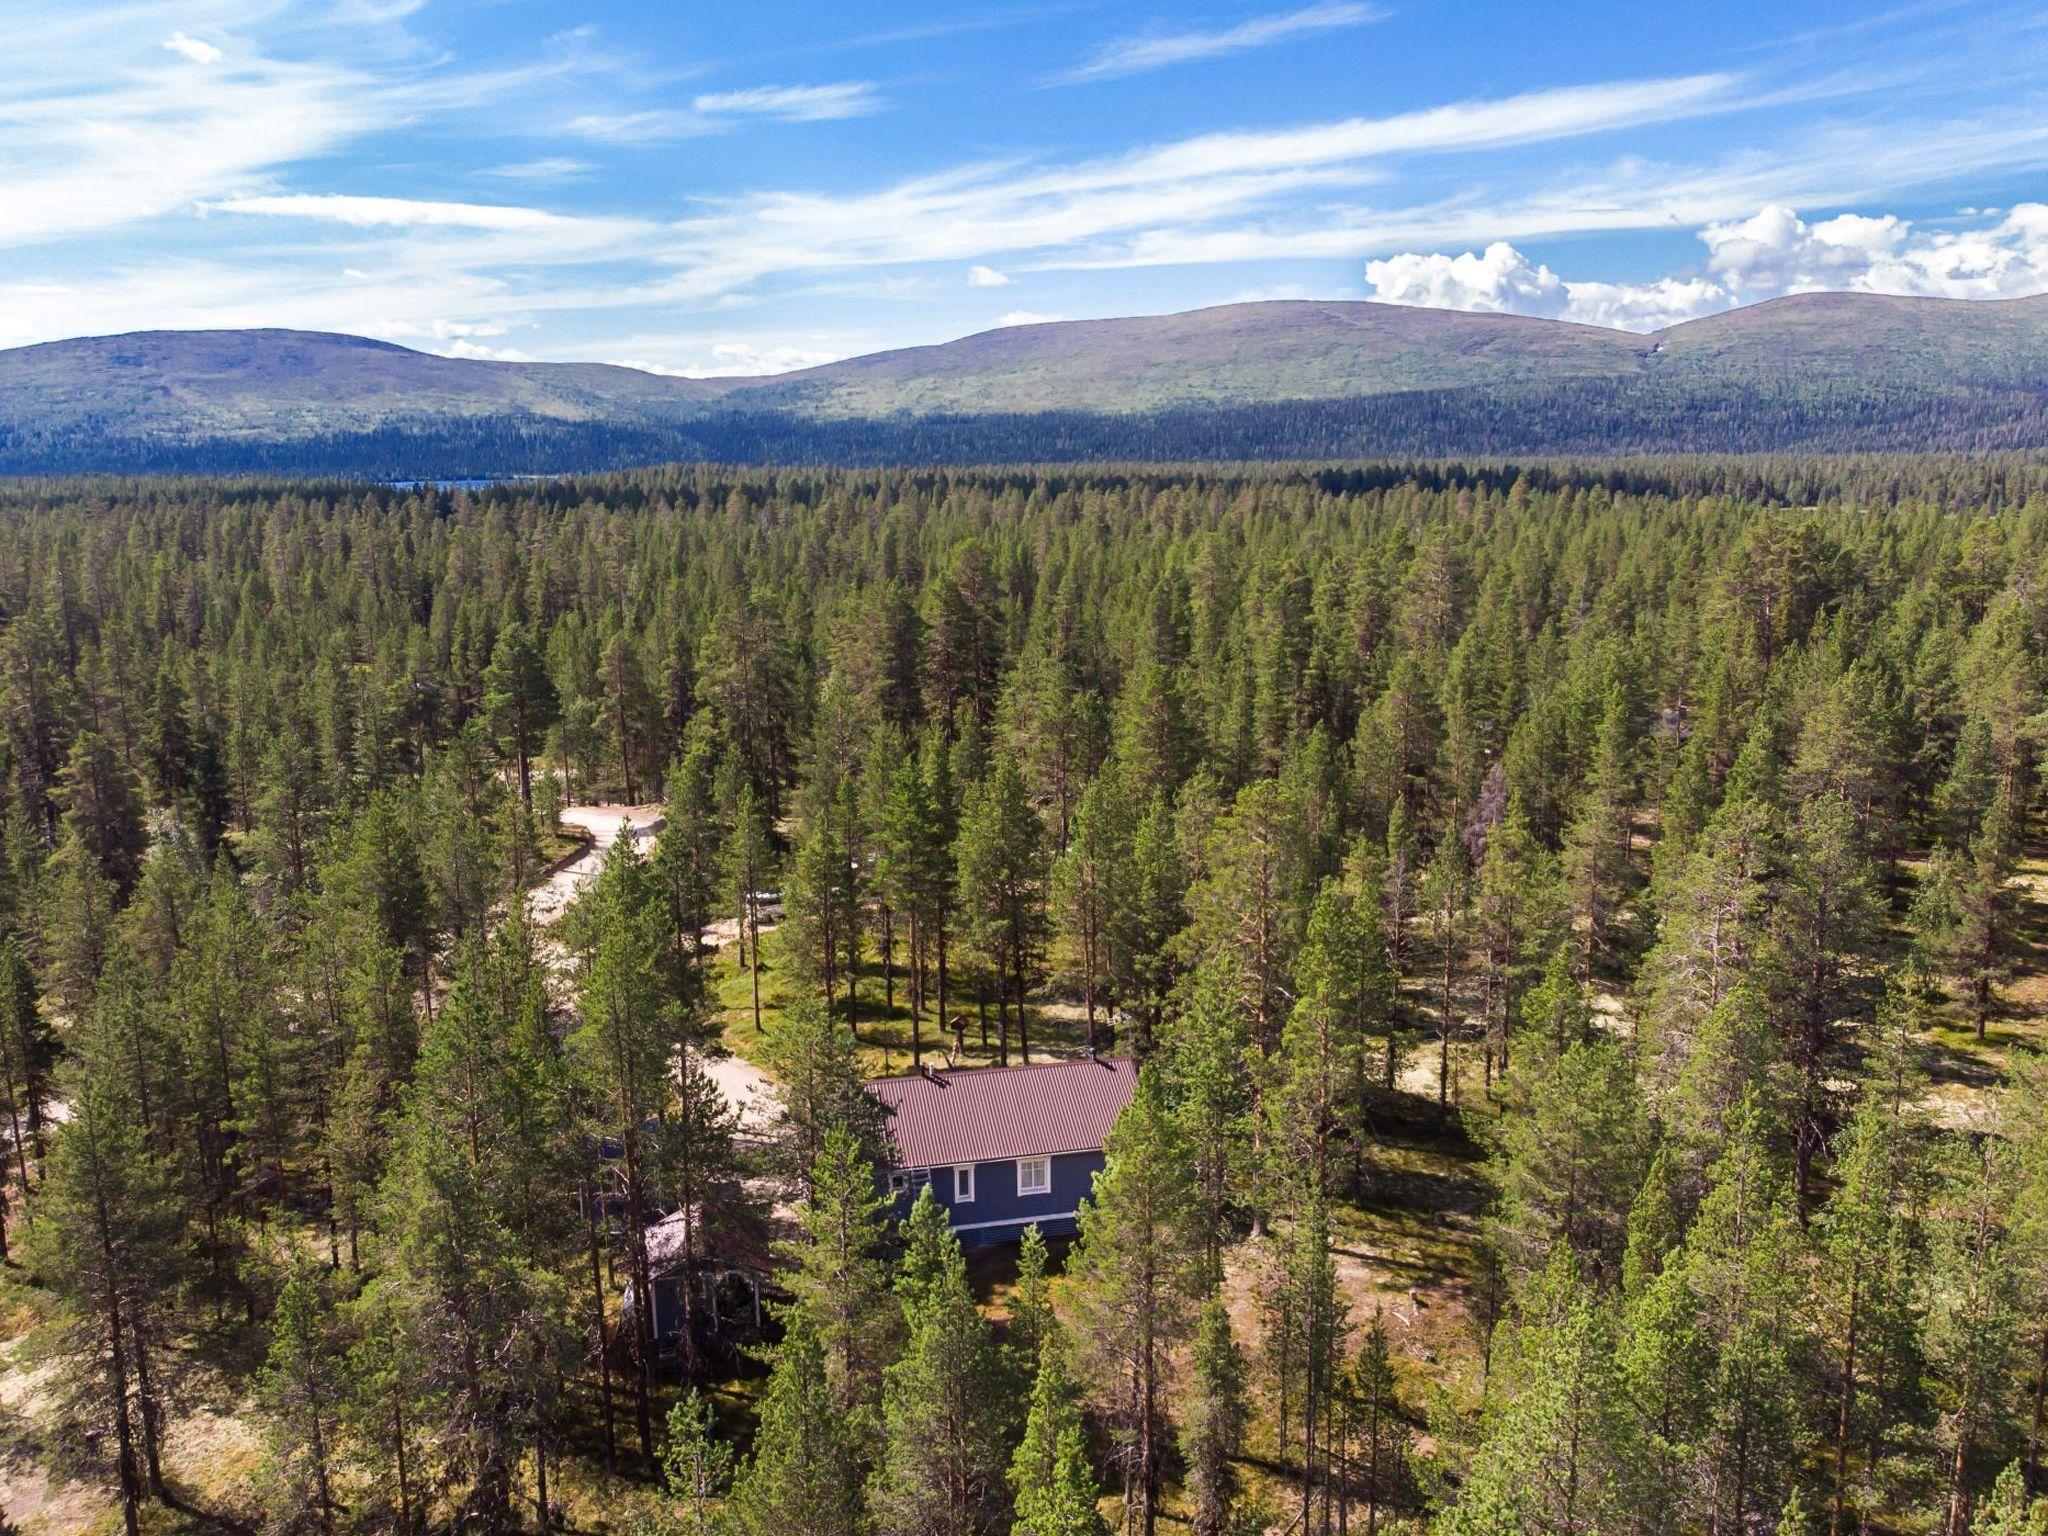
x: 467, y: 483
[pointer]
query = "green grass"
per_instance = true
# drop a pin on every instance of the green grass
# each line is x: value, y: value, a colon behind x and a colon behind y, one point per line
x: 883, y: 1033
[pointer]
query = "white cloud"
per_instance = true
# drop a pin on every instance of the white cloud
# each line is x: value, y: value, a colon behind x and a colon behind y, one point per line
x: 389, y: 212
x: 546, y: 168
x: 196, y: 49
x: 91, y: 153
x: 1767, y: 255
x: 740, y: 359
x: 1159, y: 50
x: 1644, y: 306
x: 794, y: 103
x: 987, y: 277
x: 1499, y: 280
x: 976, y: 212
x: 1028, y: 317
x: 654, y: 126
x: 723, y: 111
x: 480, y: 353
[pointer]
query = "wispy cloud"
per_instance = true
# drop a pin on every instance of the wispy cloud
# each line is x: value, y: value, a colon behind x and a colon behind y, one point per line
x: 794, y: 103
x: 198, y: 50
x: 722, y: 111
x: 546, y: 168
x: 397, y: 212
x: 1143, y: 52
x: 982, y: 211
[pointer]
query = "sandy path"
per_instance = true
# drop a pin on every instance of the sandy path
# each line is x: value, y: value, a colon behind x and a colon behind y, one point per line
x: 551, y: 898
x: 749, y: 1090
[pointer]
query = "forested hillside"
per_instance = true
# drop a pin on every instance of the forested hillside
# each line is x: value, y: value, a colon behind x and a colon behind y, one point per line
x: 1270, y: 381
x: 1581, y: 926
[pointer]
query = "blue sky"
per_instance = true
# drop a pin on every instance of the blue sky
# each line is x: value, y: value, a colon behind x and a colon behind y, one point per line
x: 702, y: 187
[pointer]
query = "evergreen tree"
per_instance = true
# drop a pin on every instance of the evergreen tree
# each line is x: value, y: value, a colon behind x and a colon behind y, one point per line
x: 1050, y: 1478
x: 804, y: 1476
x: 1557, y: 1448
x: 520, y: 702
x: 108, y: 1243
x: 1131, y: 1275
x: 300, y: 1391
x: 621, y: 1051
x: 695, y: 1466
x: 839, y: 1281
x: 941, y: 1471
x: 1212, y: 1428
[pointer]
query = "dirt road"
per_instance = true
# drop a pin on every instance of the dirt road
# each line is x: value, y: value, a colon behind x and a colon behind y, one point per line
x: 749, y: 1090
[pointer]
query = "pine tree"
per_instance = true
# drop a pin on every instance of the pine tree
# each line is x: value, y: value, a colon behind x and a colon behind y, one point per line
x: 1569, y: 1157
x: 28, y: 1056
x: 1557, y: 1449
x: 300, y: 1390
x: 520, y: 702
x: 1963, y: 917
x: 1973, y: 1323
x: 749, y: 858
x: 912, y: 879
x: 103, y: 810
x: 821, y: 1091
x: 1444, y: 893
x: 2009, y: 1511
x: 838, y: 1279
x: 1212, y: 1427
x: 1149, y: 919
x: 1373, y: 1447
x: 1130, y: 1274
x: 1087, y: 891
x: 1031, y: 1323
x: 107, y: 1242
x: 1869, y: 1305
x: 1050, y: 1478
x: 621, y: 1050
x: 1003, y: 880
x: 941, y: 1472
x: 695, y: 1466
x: 1599, y: 841
x: 804, y: 1477
x: 1824, y: 928
x: 687, y: 860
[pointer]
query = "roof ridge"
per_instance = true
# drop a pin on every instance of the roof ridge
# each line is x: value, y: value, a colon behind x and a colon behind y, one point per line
x: 1111, y: 1062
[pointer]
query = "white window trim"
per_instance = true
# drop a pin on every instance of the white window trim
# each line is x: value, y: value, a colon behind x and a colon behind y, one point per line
x: 908, y: 1181
x: 1024, y: 1189
x: 963, y: 1178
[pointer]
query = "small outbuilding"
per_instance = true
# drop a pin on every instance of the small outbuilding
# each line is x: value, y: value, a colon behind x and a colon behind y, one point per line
x: 1003, y: 1148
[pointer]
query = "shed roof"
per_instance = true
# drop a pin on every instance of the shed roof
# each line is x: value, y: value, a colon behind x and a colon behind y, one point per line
x: 981, y: 1114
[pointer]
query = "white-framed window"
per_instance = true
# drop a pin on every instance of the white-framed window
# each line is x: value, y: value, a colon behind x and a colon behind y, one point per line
x: 963, y: 1184
x: 908, y: 1181
x: 1034, y: 1175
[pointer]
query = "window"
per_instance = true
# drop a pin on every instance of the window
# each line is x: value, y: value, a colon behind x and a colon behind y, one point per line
x: 963, y: 1184
x: 908, y: 1181
x: 1034, y: 1175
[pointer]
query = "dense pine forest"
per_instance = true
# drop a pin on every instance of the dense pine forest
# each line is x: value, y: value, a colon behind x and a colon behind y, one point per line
x: 1582, y: 930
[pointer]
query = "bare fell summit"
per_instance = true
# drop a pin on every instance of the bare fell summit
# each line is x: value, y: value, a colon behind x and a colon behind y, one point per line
x: 1289, y: 378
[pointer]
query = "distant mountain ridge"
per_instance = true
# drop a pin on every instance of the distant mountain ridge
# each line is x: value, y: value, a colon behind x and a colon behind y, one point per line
x: 1274, y: 379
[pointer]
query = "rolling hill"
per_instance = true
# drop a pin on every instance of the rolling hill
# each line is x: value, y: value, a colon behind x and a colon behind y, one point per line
x: 1280, y: 379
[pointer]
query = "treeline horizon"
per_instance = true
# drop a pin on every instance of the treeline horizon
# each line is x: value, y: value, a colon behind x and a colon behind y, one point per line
x: 1645, y: 846
x: 1583, y: 418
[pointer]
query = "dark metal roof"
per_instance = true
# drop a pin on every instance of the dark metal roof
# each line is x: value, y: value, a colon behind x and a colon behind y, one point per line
x: 981, y: 1114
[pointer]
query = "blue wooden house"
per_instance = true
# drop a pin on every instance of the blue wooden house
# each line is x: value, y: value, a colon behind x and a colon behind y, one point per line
x: 1003, y: 1148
